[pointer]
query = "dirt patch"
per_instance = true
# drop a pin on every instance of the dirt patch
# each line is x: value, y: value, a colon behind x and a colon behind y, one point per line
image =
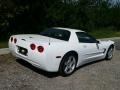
x: 117, y: 44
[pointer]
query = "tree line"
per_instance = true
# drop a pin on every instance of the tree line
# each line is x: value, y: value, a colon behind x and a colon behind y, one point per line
x: 32, y: 16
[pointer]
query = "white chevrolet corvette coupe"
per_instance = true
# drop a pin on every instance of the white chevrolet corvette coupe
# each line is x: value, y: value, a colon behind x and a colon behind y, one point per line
x: 60, y: 49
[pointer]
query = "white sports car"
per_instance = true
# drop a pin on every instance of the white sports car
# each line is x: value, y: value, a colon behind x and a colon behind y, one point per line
x: 60, y: 49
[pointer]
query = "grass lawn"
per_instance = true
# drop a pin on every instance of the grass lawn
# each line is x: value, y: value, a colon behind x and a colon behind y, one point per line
x: 3, y: 44
x: 105, y: 34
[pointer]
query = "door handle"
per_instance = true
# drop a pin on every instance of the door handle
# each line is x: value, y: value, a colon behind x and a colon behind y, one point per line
x: 97, y: 45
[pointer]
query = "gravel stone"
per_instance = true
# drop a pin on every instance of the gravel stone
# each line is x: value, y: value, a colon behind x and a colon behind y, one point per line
x: 16, y: 74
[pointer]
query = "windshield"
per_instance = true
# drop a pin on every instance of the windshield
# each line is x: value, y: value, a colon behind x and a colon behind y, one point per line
x: 56, y: 33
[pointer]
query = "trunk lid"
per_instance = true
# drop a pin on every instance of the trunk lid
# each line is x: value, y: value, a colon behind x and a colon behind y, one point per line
x: 36, y: 38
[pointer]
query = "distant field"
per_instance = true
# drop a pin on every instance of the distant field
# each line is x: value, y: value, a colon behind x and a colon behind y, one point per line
x: 105, y: 33
x: 4, y: 44
x: 100, y: 33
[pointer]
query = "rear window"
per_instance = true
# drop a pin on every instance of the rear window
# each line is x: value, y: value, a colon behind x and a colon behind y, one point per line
x: 56, y: 33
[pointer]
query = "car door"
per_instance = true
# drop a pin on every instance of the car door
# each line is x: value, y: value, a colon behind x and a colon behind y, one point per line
x: 89, y: 47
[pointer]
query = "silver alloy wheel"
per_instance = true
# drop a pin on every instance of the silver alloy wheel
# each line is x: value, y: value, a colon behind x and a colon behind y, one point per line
x: 110, y: 53
x: 70, y: 65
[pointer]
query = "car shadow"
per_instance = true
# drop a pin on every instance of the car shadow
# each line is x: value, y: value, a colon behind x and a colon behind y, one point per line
x: 52, y: 74
x: 37, y: 70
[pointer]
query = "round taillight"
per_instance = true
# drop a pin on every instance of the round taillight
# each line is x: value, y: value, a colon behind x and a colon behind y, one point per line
x: 40, y: 49
x: 15, y: 40
x: 33, y: 46
x: 11, y: 39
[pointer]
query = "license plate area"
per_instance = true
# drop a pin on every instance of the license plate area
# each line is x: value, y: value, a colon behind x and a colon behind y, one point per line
x: 22, y: 50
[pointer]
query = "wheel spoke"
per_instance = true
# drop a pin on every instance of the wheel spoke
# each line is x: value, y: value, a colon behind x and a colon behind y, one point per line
x: 67, y: 68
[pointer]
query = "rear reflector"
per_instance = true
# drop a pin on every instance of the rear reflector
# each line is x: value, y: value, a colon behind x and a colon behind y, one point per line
x: 15, y: 40
x: 33, y: 46
x: 11, y: 39
x: 40, y: 49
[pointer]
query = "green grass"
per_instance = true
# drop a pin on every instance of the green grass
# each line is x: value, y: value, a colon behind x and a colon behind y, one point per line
x: 105, y: 33
x: 3, y: 44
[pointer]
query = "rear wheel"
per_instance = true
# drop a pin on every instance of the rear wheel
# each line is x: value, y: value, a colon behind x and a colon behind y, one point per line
x: 109, y: 54
x: 68, y: 64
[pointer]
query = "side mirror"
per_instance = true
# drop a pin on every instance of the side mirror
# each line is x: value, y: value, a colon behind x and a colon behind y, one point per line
x: 97, y: 42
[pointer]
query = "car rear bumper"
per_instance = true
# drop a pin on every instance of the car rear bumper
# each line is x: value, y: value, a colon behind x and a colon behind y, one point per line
x: 37, y: 59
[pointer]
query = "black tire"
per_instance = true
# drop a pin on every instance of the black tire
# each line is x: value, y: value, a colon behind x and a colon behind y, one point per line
x: 109, y: 54
x: 66, y: 63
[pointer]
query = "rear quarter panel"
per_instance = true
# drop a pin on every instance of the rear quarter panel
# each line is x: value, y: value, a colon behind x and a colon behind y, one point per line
x: 59, y: 49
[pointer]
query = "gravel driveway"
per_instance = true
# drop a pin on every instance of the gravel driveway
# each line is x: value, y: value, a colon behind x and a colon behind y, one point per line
x: 19, y: 75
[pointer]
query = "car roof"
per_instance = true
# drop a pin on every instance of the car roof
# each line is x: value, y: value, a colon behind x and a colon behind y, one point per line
x: 69, y: 29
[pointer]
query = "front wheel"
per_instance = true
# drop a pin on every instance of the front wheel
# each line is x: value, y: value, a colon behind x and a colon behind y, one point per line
x: 68, y: 64
x: 109, y: 54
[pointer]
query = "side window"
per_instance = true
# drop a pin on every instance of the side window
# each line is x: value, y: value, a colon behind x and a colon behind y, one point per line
x: 85, y: 38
